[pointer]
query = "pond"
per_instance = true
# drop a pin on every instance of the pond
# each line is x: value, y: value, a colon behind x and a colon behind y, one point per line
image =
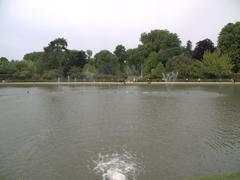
x: 145, y: 132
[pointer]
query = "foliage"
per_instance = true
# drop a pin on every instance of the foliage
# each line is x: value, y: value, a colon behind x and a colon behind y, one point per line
x: 153, y: 68
x: 229, y: 43
x: 201, y: 47
x: 181, y: 64
x: 106, y: 63
x: 213, y: 65
x: 188, y: 49
x: 7, y: 69
x: 160, y: 39
x: 216, y: 65
x: 50, y: 74
x: 121, y: 55
x: 230, y: 176
x: 75, y: 72
x: 135, y: 59
x: 189, y: 46
x: 196, y: 69
x: 89, y: 71
x: 149, y: 64
x: 55, y: 53
x: 33, y: 56
x: 157, y: 72
x: 166, y: 54
x: 159, y: 51
x: 75, y: 58
x: 89, y: 54
x: 28, y: 71
x: 3, y: 59
x: 59, y: 44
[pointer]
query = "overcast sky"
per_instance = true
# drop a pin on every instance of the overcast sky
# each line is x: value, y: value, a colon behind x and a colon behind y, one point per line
x: 29, y: 25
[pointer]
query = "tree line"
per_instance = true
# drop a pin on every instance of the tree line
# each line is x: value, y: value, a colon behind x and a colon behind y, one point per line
x: 159, y: 51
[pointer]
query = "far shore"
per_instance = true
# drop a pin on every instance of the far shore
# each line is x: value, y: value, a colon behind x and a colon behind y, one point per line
x: 119, y: 83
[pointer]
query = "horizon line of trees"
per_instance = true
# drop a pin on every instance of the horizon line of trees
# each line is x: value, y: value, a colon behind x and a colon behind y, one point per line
x: 160, y: 51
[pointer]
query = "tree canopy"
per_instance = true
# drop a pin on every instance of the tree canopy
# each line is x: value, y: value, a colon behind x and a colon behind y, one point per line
x: 106, y: 63
x: 160, y: 40
x: 201, y: 47
x: 33, y: 56
x: 55, y: 54
x: 181, y: 64
x: 121, y: 54
x: 229, y: 43
x: 158, y: 51
x: 214, y: 65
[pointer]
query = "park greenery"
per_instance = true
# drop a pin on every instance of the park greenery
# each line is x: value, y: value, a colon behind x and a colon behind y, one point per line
x: 159, y: 51
x: 231, y: 176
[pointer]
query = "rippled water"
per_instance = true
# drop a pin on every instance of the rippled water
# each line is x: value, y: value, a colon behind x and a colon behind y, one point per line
x: 133, y: 132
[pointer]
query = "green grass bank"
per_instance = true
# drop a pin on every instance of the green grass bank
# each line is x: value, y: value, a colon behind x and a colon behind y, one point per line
x: 230, y: 176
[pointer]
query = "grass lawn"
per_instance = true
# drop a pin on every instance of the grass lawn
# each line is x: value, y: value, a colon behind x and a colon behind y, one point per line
x: 232, y: 176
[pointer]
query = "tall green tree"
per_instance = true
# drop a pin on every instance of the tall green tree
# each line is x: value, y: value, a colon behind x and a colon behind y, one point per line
x: 135, y: 60
x: 181, y: 64
x: 229, y: 43
x: 3, y: 59
x: 75, y: 72
x: 27, y: 71
x: 51, y: 74
x: 153, y: 68
x: 201, y: 47
x: 160, y: 39
x: 216, y: 65
x: 7, y: 69
x: 33, y: 56
x: 89, y: 71
x: 56, y: 54
x: 188, y: 49
x: 75, y: 58
x: 58, y: 45
x: 189, y: 45
x: 196, y: 70
x: 158, y: 70
x: 89, y: 54
x: 166, y: 54
x: 163, y: 42
x: 107, y: 63
x: 120, y: 52
x: 150, y: 63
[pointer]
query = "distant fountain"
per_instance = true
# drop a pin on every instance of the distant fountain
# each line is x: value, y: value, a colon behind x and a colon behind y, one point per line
x: 58, y: 80
x: 170, y: 77
x: 68, y: 78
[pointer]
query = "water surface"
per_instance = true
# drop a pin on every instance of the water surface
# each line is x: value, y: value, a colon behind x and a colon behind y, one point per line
x: 144, y: 132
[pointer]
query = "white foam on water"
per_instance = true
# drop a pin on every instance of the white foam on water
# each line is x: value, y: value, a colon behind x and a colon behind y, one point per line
x: 117, y: 166
x: 113, y: 174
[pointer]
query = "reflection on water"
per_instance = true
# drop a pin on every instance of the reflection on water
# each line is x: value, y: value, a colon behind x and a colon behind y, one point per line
x: 174, y: 132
